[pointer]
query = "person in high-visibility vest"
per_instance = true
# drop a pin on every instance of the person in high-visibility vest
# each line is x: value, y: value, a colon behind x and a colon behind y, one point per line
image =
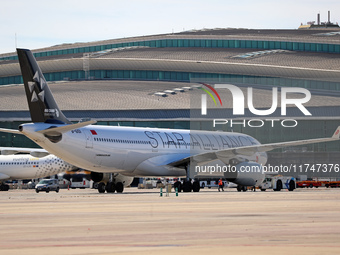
x: 220, y: 185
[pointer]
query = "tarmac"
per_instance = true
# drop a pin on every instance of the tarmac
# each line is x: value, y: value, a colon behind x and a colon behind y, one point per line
x: 305, y: 221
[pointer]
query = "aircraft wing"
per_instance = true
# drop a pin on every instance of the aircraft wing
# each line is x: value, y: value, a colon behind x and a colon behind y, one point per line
x: 227, y: 154
x: 39, y: 153
x: 250, y: 150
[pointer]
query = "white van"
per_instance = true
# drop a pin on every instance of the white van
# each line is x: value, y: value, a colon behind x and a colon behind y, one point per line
x: 79, y: 182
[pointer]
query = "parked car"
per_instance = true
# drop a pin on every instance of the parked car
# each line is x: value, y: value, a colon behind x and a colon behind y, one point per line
x: 47, y: 185
x: 79, y: 182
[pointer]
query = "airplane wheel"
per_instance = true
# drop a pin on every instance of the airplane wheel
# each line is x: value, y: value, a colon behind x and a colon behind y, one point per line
x: 101, y: 187
x: 244, y: 188
x: 239, y: 188
x: 4, y: 187
x: 110, y: 187
x: 187, y: 186
x: 119, y: 187
x: 196, y: 187
x: 178, y: 185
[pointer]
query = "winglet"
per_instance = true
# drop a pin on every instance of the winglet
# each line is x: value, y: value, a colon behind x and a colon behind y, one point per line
x: 336, y: 134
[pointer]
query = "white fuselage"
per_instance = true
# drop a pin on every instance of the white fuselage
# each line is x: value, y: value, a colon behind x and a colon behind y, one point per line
x: 137, y: 151
x: 18, y: 167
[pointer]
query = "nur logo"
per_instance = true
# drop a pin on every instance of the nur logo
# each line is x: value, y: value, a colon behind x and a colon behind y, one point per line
x: 204, y: 98
x: 239, y: 99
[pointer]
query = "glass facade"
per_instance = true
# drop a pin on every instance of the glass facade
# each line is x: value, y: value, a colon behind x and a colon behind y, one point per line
x: 183, y: 77
x: 14, y: 140
x: 199, y: 43
x: 187, y: 76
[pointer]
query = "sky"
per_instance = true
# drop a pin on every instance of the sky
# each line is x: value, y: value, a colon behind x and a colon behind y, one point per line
x: 36, y: 24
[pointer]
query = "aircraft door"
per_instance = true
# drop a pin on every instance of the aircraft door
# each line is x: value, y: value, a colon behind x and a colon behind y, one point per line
x: 89, y: 139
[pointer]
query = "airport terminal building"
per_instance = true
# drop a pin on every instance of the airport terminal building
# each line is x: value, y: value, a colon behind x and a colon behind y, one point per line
x: 152, y: 81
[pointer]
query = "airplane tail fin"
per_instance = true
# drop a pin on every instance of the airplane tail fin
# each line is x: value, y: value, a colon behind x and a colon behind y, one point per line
x: 42, y: 105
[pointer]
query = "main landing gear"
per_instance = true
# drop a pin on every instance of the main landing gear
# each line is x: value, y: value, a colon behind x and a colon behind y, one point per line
x: 110, y: 187
x: 241, y: 188
x: 4, y: 187
x: 187, y: 186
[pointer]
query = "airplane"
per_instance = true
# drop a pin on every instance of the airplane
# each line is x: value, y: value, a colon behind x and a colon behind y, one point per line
x: 132, y: 151
x: 28, y: 166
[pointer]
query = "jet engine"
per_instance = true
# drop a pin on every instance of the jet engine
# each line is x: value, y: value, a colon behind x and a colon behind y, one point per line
x: 100, y: 177
x: 247, y: 174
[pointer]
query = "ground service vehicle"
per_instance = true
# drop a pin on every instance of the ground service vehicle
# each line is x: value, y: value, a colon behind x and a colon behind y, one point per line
x: 211, y: 183
x: 333, y: 184
x: 308, y: 184
x: 278, y: 182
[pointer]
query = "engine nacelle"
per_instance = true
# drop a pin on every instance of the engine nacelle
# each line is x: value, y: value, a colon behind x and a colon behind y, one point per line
x: 100, y: 177
x: 105, y: 177
x: 126, y: 180
x: 248, y: 174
